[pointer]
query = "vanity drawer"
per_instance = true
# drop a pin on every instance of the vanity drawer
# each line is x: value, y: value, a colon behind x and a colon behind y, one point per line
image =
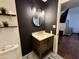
x: 40, y: 47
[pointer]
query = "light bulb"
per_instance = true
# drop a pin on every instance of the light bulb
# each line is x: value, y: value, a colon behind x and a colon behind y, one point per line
x: 54, y: 26
x: 34, y: 9
x: 43, y: 12
x: 44, y: 0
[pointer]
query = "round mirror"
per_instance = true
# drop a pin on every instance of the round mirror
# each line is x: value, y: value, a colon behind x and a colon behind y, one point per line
x: 36, y: 20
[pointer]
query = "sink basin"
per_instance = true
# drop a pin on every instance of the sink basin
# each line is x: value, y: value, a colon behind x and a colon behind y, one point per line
x: 41, y: 35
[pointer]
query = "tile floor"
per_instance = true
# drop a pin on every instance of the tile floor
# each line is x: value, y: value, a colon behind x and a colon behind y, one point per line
x: 51, y: 55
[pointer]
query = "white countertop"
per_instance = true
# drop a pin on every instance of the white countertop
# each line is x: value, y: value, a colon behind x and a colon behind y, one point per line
x: 41, y: 35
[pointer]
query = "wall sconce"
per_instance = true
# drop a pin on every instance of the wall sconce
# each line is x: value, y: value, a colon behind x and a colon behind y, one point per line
x: 44, y: 0
x: 38, y: 11
x: 43, y: 12
x: 34, y: 9
x: 54, y: 26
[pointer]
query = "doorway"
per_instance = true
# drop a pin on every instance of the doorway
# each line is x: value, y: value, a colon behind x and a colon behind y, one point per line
x: 69, y: 34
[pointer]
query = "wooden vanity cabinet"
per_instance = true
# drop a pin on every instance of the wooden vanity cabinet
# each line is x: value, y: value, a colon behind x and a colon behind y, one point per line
x: 40, y: 47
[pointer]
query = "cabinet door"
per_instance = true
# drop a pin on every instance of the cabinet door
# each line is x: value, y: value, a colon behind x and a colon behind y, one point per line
x: 43, y: 46
x: 36, y: 44
x: 50, y: 43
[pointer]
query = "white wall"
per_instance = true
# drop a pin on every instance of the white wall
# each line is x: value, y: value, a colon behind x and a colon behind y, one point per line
x: 55, y: 43
x: 9, y: 36
x: 62, y: 26
x: 74, y: 19
x: 8, y: 4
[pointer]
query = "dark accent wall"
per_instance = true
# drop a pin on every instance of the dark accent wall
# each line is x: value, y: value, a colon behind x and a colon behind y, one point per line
x: 51, y: 15
x: 26, y: 26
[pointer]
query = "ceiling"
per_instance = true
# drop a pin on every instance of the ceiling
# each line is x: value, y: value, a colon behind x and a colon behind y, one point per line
x: 70, y: 4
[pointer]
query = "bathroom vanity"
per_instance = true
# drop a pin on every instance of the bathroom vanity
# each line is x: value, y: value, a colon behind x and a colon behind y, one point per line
x: 42, y: 42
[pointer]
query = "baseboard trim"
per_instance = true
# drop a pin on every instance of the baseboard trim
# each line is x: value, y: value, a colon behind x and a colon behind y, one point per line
x: 55, y: 56
x: 26, y: 56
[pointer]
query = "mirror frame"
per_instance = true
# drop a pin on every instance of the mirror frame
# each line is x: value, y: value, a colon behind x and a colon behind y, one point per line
x: 38, y: 18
